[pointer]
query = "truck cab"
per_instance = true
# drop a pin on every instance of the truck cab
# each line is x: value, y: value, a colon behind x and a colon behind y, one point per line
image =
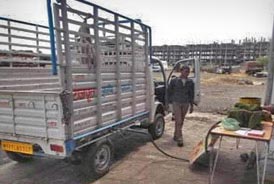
x: 161, y: 79
x: 194, y: 65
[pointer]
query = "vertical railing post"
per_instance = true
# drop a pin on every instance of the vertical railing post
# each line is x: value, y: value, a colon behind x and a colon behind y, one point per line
x: 12, y: 103
x: 9, y: 37
x: 9, y: 40
x: 99, y: 66
x: 68, y: 66
x: 118, y: 69
x: 59, y: 47
x: 150, y: 79
x: 37, y: 39
x: 133, y: 69
x: 149, y: 89
x: 45, y: 118
x: 37, y: 43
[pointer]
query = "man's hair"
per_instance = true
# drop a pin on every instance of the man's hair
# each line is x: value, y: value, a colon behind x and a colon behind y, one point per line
x: 185, y: 67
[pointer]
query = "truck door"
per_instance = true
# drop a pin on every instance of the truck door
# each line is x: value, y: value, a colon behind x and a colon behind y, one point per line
x: 159, y: 80
x: 194, y: 65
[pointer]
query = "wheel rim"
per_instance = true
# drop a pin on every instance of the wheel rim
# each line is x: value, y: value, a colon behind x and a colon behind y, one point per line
x: 102, y: 158
x: 159, y: 126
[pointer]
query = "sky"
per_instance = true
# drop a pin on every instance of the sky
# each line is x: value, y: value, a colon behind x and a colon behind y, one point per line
x: 174, y: 22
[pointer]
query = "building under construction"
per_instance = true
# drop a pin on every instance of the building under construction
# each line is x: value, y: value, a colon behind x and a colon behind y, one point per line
x: 215, y: 53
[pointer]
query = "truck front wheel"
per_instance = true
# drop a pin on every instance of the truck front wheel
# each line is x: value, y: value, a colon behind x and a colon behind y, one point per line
x: 19, y: 157
x: 158, y: 127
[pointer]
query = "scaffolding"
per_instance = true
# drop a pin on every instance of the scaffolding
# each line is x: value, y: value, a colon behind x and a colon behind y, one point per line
x: 215, y: 53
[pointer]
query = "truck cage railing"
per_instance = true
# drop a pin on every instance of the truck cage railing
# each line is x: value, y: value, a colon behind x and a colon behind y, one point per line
x: 130, y: 88
x: 20, y: 32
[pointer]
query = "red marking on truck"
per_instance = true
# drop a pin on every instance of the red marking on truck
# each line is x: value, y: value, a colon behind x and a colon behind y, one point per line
x: 52, y: 124
x: 80, y: 94
x: 4, y: 104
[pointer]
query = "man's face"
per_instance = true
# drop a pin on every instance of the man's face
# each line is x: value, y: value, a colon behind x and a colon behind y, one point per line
x: 185, y: 73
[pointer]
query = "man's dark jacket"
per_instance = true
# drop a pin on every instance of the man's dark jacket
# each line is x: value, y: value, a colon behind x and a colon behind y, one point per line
x: 180, y: 93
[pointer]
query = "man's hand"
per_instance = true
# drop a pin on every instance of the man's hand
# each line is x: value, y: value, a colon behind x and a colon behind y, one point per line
x: 191, y: 108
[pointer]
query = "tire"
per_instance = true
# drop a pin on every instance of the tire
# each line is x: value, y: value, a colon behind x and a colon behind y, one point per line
x: 19, y: 157
x: 158, y: 127
x: 97, y: 160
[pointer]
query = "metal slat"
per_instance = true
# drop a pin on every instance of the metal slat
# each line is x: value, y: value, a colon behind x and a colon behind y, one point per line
x: 78, y: 12
x: 105, y: 21
x: 24, y: 30
x: 24, y: 73
x: 20, y: 80
x: 17, y: 60
x: 29, y: 86
x: 71, y: 21
x: 23, y: 37
x: 24, y: 53
x: 23, y: 45
x: 8, y: 70
x: 107, y: 30
x: 113, y: 32
x: 80, y: 34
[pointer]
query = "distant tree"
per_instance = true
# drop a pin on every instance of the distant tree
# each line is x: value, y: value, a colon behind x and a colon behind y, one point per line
x: 263, y: 60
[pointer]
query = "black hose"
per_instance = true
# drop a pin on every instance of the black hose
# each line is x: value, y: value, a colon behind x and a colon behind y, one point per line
x: 171, y: 156
x: 158, y: 148
x: 208, y: 133
x: 167, y: 154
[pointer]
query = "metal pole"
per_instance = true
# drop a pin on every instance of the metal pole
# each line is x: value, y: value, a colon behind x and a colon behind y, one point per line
x: 225, y: 53
x: 52, y: 40
x: 269, y: 87
x: 211, y: 54
x: 257, y: 163
x: 265, y: 160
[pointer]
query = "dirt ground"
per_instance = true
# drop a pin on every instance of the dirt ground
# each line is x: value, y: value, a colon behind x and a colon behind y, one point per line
x: 137, y: 161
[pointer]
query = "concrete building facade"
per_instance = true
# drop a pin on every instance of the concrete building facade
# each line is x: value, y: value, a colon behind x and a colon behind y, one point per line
x: 215, y: 53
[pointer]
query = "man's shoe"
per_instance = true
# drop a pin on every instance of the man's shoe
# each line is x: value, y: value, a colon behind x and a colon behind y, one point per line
x: 180, y: 142
x: 172, y: 117
x: 244, y: 157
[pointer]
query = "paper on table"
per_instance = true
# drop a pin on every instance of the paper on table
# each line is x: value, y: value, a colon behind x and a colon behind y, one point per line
x: 256, y: 133
x: 242, y: 132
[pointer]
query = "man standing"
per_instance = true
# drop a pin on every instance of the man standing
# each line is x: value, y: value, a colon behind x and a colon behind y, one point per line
x: 181, y: 95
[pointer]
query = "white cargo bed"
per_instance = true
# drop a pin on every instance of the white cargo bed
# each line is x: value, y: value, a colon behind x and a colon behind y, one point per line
x: 103, y: 83
x: 34, y: 117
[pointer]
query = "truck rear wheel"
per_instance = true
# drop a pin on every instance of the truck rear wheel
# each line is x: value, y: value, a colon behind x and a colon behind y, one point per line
x: 19, y: 157
x: 98, y: 159
x: 158, y: 127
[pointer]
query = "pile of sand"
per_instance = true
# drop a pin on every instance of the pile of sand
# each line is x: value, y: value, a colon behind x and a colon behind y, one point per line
x: 235, y: 78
